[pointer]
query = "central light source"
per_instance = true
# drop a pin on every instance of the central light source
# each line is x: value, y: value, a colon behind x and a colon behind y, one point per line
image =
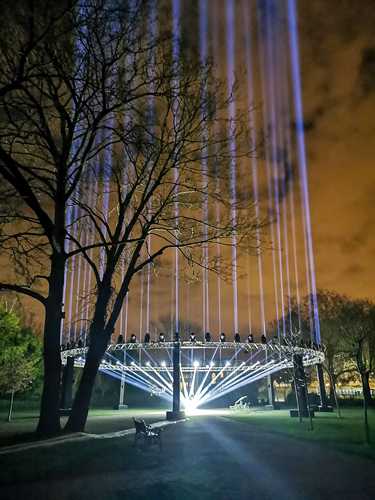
x: 190, y: 405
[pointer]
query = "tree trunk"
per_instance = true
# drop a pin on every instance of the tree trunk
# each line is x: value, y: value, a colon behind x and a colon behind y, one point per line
x: 81, y: 404
x: 49, y: 419
x: 335, y: 398
x: 366, y: 401
x: 99, y: 337
x: 322, y: 387
x: 365, y: 377
x: 10, y: 406
x: 332, y: 381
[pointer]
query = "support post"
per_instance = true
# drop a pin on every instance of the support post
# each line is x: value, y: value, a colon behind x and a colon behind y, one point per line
x: 271, y: 392
x: 67, y: 386
x: 324, y: 407
x: 121, y: 403
x: 176, y: 413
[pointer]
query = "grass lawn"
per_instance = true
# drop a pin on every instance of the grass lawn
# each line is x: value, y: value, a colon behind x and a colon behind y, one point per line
x: 24, y: 422
x: 346, y: 433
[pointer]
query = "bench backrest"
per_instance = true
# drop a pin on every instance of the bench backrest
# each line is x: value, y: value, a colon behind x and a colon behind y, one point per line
x: 140, y: 426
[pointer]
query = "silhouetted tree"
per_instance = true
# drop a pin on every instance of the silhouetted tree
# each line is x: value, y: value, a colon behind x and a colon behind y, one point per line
x: 62, y: 84
x: 357, y: 326
x: 93, y: 108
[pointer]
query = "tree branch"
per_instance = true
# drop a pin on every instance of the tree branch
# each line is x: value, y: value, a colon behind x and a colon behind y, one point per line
x: 25, y: 291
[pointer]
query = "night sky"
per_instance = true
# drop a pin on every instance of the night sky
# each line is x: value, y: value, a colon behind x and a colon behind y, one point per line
x: 337, y: 52
x: 338, y: 62
x: 337, y: 47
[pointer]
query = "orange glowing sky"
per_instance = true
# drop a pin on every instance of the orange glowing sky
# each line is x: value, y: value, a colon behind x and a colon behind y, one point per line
x: 338, y: 78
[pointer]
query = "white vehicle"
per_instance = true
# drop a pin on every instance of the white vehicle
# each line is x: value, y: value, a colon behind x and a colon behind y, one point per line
x: 240, y: 404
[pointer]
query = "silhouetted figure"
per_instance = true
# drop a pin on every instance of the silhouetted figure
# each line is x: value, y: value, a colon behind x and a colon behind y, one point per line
x: 263, y: 339
x: 63, y: 347
x: 207, y: 337
x: 67, y: 346
x: 80, y: 343
x: 120, y: 339
x: 222, y: 337
x: 176, y: 337
x: 133, y: 339
x: 237, y: 337
x: 161, y: 337
x: 250, y: 338
x: 193, y: 337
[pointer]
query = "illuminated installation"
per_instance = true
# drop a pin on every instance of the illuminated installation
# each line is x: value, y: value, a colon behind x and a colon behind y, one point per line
x: 257, y: 41
x: 208, y: 371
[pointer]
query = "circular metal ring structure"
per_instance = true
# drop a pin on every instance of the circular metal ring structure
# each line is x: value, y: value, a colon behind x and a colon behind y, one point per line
x: 208, y: 370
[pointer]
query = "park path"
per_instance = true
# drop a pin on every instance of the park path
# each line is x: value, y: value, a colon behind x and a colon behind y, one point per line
x: 220, y: 459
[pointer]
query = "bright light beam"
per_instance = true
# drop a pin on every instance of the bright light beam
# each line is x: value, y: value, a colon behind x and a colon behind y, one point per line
x: 191, y: 391
x: 230, y: 379
x: 206, y: 375
x: 241, y: 376
x: 245, y: 382
x: 218, y: 375
x: 301, y: 150
x: 163, y: 383
x: 184, y: 388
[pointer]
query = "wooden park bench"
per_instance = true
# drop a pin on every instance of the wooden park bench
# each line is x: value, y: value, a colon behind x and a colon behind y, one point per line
x: 145, y: 435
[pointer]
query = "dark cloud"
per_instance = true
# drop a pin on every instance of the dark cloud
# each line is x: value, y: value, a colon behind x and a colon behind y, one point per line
x: 338, y: 77
x: 308, y: 125
x: 367, y: 70
x: 354, y: 269
x: 286, y: 173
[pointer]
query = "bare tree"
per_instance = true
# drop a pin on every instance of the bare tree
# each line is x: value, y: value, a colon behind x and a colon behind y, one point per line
x: 61, y: 81
x: 335, y: 363
x: 157, y: 189
x: 358, y: 340
x: 75, y: 91
x: 347, y: 328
